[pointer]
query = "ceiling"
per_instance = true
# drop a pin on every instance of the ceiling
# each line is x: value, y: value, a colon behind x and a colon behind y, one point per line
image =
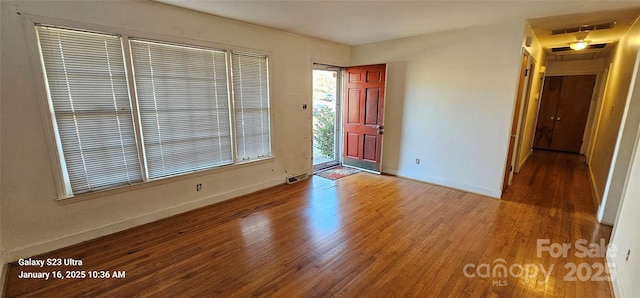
x: 542, y: 26
x: 356, y: 22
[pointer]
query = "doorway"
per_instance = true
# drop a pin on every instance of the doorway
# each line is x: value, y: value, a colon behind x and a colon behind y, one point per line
x: 326, y: 116
x: 364, y: 116
x: 564, y: 109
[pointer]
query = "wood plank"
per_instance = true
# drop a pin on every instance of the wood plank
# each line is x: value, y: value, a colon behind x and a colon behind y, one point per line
x: 363, y: 235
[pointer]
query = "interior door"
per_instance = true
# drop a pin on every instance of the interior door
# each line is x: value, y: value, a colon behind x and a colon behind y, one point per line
x: 547, y: 114
x: 563, y: 112
x: 363, y: 118
x: 573, y: 111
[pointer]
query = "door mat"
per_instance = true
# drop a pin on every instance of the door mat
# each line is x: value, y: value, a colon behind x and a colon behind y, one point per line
x: 337, y: 172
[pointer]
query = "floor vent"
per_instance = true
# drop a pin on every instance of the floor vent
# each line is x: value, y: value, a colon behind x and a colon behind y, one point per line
x: 297, y: 178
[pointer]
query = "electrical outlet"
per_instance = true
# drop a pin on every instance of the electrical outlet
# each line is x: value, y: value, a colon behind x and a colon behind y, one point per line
x: 199, y: 187
x: 417, y: 161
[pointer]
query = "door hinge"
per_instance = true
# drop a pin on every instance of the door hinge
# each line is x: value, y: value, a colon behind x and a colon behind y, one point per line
x: 510, y: 168
x: 526, y: 72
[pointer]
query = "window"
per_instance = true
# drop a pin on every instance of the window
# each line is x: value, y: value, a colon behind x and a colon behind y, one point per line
x: 251, y: 103
x: 182, y: 121
x: 87, y: 86
x: 184, y: 107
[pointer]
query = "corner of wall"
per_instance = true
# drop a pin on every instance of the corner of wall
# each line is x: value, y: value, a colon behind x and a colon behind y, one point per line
x: 594, y: 186
x: 616, y: 286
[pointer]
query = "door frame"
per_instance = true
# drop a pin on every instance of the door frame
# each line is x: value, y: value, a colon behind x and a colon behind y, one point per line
x: 513, y: 131
x: 338, y: 120
x: 526, y: 101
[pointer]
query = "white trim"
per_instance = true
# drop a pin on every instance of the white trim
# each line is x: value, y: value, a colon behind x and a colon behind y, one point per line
x: 135, y: 108
x: 117, y: 226
x: 524, y: 99
x: 524, y: 161
x: 616, y: 285
x: 594, y: 186
x: 158, y: 181
x: 493, y: 193
x: 510, y: 154
x: 338, y: 137
x: 48, y: 119
x: 597, y: 197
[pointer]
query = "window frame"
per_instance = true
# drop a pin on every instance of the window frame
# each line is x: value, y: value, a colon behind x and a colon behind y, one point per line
x: 144, y: 160
x: 62, y: 108
x: 233, y: 101
x: 56, y: 156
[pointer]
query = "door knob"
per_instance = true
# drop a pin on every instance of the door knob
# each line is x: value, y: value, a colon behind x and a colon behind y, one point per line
x: 380, y: 127
x: 380, y: 132
x: 558, y: 118
x: 553, y: 118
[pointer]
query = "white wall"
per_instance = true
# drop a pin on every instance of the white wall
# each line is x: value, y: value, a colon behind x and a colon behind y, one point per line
x: 33, y: 222
x: 575, y: 67
x: 450, y: 101
x: 530, y: 108
x: 619, y: 115
x: 625, y: 236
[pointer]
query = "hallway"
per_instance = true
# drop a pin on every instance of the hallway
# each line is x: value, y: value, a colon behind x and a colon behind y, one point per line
x: 363, y: 235
x: 553, y: 180
x: 555, y: 186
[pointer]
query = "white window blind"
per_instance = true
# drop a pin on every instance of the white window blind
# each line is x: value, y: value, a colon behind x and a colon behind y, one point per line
x: 184, y: 107
x: 87, y: 87
x: 251, y: 106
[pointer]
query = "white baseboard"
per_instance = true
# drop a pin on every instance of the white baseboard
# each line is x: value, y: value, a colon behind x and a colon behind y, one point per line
x: 494, y: 193
x: 390, y: 171
x: 594, y: 187
x: 68, y: 240
x: 618, y: 290
x: 524, y: 161
x: 597, y: 198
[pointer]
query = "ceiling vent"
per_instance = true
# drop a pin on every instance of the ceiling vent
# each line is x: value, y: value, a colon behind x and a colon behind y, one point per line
x: 585, y: 28
x: 589, y: 47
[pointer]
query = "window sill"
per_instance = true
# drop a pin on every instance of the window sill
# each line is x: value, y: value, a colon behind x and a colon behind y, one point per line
x: 141, y: 185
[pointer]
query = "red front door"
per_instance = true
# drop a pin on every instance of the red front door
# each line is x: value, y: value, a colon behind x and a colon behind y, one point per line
x: 363, y: 116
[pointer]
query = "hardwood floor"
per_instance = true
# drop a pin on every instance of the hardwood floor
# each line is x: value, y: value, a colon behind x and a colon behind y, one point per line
x: 363, y: 235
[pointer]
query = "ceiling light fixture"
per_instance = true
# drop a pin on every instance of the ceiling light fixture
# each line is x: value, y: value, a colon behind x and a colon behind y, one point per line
x: 581, y: 44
